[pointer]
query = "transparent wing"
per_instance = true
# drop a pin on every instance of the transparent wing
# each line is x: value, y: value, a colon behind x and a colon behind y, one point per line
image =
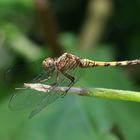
x: 38, y: 100
x: 41, y: 77
x: 22, y: 72
x: 52, y: 96
x: 25, y: 97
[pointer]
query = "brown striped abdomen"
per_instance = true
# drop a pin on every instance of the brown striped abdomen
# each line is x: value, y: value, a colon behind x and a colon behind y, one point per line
x: 89, y: 63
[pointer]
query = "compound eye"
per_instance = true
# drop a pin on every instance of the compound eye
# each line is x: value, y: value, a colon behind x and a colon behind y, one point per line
x: 50, y: 63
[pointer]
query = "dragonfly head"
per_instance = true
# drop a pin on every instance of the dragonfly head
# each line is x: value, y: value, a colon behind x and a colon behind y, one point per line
x: 48, y: 64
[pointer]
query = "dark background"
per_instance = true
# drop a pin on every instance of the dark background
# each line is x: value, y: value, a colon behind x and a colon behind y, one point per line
x: 106, y: 30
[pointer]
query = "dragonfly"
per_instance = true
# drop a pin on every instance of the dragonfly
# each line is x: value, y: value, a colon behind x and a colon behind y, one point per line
x: 56, y: 73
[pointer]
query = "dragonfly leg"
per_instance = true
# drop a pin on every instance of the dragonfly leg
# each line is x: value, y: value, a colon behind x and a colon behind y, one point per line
x: 71, y: 78
x: 46, y: 79
x: 57, y: 79
x: 70, y: 85
x: 57, y: 76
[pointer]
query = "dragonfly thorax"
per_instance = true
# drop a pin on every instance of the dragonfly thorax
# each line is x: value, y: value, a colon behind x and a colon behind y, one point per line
x: 48, y: 64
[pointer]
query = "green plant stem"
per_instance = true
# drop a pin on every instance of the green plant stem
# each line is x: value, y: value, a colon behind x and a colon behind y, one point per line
x: 92, y: 92
x: 114, y: 94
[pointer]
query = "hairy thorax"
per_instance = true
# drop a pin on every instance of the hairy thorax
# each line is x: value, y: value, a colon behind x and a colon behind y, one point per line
x: 67, y: 61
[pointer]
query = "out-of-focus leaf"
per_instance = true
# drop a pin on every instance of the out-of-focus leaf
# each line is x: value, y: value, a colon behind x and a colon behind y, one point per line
x: 20, y: 44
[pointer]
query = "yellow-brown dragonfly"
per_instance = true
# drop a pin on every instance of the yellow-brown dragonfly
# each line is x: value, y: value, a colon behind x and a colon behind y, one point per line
x: 56, y: 72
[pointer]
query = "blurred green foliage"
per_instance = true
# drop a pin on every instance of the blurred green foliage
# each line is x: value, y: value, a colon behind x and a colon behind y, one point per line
x: 72, y: 117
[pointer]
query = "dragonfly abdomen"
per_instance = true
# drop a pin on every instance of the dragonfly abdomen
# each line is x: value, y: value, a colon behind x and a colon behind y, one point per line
x: 89, y: 63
